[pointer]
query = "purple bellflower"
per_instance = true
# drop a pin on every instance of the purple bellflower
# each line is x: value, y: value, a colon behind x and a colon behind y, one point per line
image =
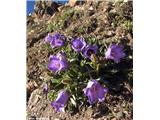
x: 60, y: 102
x: 56, y: 40
x: 95, y: 92
x: 48, y: 38
x: 58, y: 63
x: 89, y: 50
x: 78, y: 44
x: 115, y: 52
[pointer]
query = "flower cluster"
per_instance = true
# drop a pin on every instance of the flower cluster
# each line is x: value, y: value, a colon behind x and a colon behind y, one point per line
x: 94, y: 91
x: 79, y: 45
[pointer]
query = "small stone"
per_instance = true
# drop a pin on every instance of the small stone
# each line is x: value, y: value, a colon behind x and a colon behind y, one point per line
x: 37, y: 98
x: 31, y: 86
x: 41, y: 77
x: 113, y: 119
x: 114, y: 109
x: 35, y: 84
x: 125, y: 0
x: 125, y: 112
x: 32, y: 31
x: 56, y: 119
x: 110, y: 34
x: 91, y: 8
x: 130, y: 57
x: 72, y: 2
x: 113, y: 11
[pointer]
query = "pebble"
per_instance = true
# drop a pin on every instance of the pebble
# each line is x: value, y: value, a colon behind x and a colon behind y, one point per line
x: 91, y: 8
x: 110, y: 33
x: 56, y: 119
x: 113, y: 119
x: 37, y: 98
x: 72, y: 3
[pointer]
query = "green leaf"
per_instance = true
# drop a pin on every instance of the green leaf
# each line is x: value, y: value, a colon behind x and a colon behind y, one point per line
x: 51, y: 95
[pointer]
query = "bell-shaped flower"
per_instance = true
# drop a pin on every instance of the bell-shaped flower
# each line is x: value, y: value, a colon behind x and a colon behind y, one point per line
x: 58, y: 63
x: 89, y: 50
x: 56, y: 40
x: 60, y: 102
x: 78, y: 44
x: 115, y: 52
x: 95, y: 92
x: 48, y: 38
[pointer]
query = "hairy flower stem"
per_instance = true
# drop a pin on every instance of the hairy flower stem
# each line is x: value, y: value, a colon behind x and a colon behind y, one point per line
x: 95, y: 63
x: 89, y: 73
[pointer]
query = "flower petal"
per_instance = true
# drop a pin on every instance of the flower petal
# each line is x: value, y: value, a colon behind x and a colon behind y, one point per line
x: 78, y: 44
x: 95, y: 92
x: 48, y: 38
x: 115, y: 52
x: 89, y: 50
x: 60, y: 101
x: 54, y: 64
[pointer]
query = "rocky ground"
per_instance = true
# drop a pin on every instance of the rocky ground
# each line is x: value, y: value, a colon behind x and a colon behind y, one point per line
x: 105, y: 21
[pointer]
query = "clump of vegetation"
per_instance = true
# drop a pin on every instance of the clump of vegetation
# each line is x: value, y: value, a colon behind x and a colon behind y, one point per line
x: 62, y: 21
x: 87, y: 47
x: 78, y: 70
